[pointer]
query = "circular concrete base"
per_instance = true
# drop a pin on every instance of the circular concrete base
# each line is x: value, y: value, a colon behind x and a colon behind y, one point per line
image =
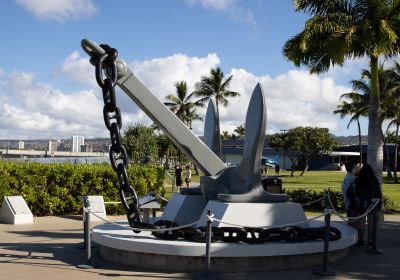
x: 125, y: 247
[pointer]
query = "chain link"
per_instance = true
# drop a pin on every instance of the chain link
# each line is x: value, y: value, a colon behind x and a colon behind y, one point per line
x: 248, y: 235
x: 113, y: 122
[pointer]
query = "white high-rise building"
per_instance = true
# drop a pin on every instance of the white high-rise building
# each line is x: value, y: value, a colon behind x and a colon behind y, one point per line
x: 77, y: 142
x: 21, y: 145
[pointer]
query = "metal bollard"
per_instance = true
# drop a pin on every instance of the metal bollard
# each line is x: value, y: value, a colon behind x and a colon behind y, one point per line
x: 88, y: 246
x: 208, y: 241
x: 85, y: 200
x: 374, y: 249
x: 324, y: 271
x: 206, y: 275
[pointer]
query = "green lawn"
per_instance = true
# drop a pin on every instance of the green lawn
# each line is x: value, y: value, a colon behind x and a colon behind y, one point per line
x: 317, y: 180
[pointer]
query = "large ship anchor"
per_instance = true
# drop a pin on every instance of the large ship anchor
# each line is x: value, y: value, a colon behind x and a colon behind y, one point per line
x: 241, y: 183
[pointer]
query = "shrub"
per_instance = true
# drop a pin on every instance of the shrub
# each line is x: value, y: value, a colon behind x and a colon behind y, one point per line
x: 310, y: 198
x: 55, y: 189
x: 305, y: 196
x: 389, y: 205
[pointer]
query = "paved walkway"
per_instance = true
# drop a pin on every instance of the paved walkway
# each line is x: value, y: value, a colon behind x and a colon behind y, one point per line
x: 48, y: 249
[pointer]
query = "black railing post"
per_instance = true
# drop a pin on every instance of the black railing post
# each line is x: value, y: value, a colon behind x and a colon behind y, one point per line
x: 324, y: 271
x: 206, y: 275
x: 87, y: 238
x: 208, y: 241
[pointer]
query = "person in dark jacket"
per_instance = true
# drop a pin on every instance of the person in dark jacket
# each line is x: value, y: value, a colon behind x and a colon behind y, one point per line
x: 178, y: 177
x: 367, y: 187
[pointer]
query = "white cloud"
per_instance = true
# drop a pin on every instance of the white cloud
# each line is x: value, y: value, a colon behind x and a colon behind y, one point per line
x: 1, y: 71
x: 30, y: 109
x: 59, y: 10
x: 218, y: 4
x: 160, y: 74
x: 229, y: 7
x: 350, y: 68
x: 79, y: 70
x: 293, y: 99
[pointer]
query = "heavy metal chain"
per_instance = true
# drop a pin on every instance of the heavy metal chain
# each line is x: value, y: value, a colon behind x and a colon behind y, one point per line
x: 246, y: 235
x: 113, y: 121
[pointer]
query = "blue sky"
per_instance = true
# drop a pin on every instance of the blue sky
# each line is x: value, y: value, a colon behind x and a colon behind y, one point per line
x: 47, y: 86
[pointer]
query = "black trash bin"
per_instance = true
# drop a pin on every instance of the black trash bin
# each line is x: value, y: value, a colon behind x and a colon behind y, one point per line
x: 272, y: 184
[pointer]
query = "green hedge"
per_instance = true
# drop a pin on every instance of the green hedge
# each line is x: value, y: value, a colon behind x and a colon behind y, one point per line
x: 54, y: 189
x: 306, y: 196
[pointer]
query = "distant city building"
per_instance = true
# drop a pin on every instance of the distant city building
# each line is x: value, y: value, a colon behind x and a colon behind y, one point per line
x: 61, y: 146
x: 55, y: 145
x: 77, y: 142
x: 87, y: 148
x: 21, y: 145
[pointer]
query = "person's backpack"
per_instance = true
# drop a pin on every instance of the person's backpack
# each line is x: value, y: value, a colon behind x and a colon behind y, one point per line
x: 361, y: 197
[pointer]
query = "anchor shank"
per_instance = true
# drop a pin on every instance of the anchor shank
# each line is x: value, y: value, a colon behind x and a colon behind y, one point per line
x: 178, y: 132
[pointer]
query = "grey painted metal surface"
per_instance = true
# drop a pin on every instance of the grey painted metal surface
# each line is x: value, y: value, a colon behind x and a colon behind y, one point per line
x: 242, y: 183
x: 211, y: 129
x: 178, y: 132
x: 235, y: 184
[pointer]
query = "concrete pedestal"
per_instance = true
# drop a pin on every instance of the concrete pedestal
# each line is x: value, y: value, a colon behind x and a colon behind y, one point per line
x: 255, y: 214
x: 14, y: 210
x: 143, y: 249
x: 184, y: 209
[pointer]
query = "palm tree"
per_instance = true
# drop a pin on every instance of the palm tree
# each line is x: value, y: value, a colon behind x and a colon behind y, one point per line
x: 215, y: 87
x: 225, y: 135
x: 341, y: 30
x: 395, y: 122
x: 360, y: 100
x: 240, y: 130
x: 393, y: 107
x: 356, y: 108
x: 183, y: 104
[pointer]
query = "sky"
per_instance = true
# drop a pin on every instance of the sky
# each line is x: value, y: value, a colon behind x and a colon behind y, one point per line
x: 48, y: 87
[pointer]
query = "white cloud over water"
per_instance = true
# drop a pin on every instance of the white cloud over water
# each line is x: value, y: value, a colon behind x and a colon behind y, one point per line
x: 31, y: 109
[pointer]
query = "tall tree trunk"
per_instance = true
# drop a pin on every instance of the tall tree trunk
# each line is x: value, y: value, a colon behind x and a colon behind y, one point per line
x: 389, y: 167
x: 359, y: 141
x: 305, y: 168
x: 395, y: 155
x: 375, y: 151
x: 293, y: 166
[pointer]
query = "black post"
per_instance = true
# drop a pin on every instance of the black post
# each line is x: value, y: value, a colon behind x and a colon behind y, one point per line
x: 374, y: 249
x: 88, y: 246
x: 87, y: 231
x: 206, y: 275
x: 85, y: 201
x: 208, y: 241
x: 324, y: 271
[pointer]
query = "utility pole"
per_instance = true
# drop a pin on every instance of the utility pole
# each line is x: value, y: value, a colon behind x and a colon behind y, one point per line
x: 284, y: 150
